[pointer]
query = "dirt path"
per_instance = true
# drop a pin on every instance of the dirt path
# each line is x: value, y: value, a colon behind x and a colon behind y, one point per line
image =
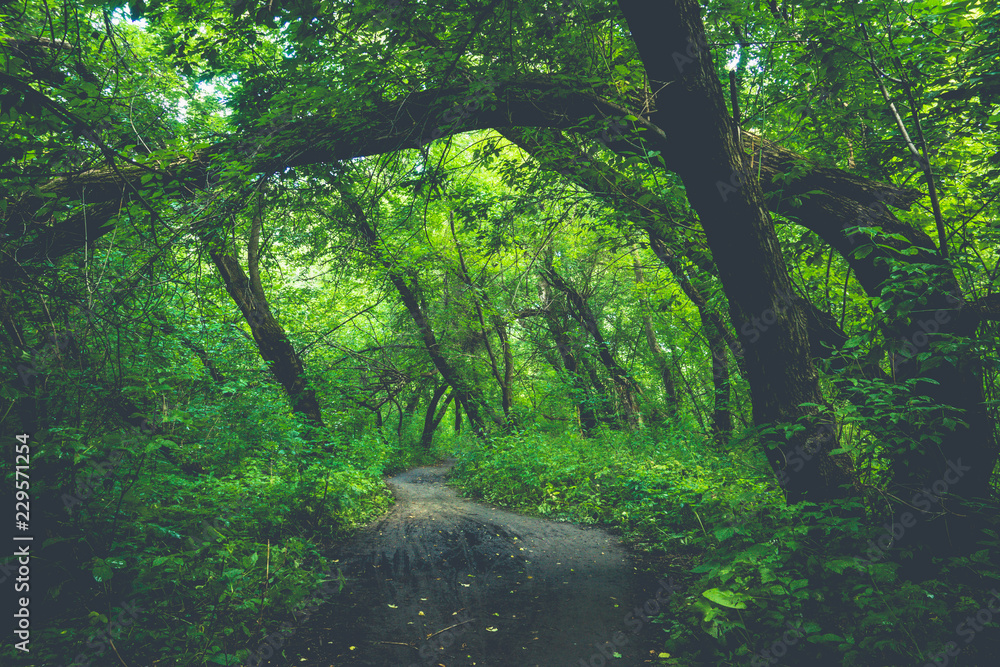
x: 443, y: 580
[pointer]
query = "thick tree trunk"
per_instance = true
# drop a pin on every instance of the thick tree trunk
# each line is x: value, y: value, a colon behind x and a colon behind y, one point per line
x: 432, y: 418
x: 955, y: 375
x: 743, y: 242
x: 328, y: 137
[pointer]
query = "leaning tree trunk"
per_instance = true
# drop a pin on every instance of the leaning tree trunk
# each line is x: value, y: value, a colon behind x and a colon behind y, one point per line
x: 465, y: 394
x: 739, y: 231
x: 625, y: 386
x: 271, y: 339
x: 659, y: 358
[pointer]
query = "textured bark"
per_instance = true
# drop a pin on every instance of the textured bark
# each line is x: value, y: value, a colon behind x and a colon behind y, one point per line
x: 742, y: 239
x: 268, y: 334
x: 956, y: 377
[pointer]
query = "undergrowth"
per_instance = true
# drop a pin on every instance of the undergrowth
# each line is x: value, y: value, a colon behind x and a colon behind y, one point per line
x: 767, y: 584
x: 196, y: 567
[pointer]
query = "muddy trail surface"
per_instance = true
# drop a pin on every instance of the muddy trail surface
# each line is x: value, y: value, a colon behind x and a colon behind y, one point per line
x: 443, y: 580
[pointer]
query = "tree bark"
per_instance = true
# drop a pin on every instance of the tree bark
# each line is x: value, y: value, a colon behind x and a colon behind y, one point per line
x: 432, y: 417
x: 743, y: 242
x: 332, y: 135
x: 271, y: 339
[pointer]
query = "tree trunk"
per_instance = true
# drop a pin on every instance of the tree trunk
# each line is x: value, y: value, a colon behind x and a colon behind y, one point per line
x: 464, y: 393
x: 272, y: 342
x: 662, y: 363
x: 431, y: 416
x: 743, y: 243
x: 625, y: 386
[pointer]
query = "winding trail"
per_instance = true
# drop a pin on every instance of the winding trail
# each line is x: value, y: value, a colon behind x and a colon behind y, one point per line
x: 443, y: 580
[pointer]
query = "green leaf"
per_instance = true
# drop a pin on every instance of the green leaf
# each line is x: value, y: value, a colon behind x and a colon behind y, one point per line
x: 724, y: 598
x: 723, y: 534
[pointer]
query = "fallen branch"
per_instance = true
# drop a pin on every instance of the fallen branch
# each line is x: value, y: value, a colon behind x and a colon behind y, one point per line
x: 450, y: 627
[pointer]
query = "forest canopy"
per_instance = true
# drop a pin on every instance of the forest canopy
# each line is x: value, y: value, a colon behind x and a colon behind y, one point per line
x: 720, y: 275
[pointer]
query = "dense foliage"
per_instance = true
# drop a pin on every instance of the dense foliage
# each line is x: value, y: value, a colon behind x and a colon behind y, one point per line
x: 254, y: 256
